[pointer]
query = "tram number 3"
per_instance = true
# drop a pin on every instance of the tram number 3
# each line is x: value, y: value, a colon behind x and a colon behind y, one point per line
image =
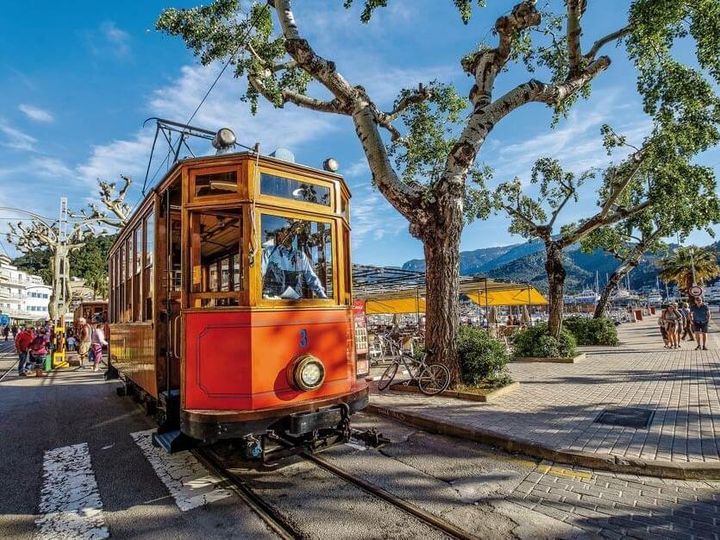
x: 303, y: 338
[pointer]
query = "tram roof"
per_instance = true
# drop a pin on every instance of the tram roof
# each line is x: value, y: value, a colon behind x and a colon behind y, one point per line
x: 220, y: 158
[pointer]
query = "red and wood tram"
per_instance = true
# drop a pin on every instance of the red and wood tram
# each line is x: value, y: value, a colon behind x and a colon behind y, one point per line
x: 230, y: 304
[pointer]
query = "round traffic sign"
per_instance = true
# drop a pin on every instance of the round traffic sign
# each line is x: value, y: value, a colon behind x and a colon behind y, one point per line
x: 696, y: 290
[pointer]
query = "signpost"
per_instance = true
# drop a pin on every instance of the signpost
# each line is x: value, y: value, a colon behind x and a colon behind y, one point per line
x: 696, y: 290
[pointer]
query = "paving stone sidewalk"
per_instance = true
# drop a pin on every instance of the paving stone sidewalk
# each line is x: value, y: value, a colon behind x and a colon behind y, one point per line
x: 556, y: 404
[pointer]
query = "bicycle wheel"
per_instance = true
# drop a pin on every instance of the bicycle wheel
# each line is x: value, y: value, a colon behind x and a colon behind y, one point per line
x: 434, y: 379
x: 387, y: 377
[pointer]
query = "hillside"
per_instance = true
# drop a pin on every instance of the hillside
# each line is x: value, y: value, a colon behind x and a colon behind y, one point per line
x: 525, y: 263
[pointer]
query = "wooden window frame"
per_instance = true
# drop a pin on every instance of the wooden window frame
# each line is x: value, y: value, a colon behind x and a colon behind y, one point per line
x: 281, y: 303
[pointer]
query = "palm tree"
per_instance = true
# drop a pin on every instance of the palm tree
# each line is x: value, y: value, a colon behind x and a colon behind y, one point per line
x: 678, y: 267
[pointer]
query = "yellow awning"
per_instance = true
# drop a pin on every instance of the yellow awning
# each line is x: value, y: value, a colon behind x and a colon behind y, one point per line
x: 392, y: 306
x: 511, y: 297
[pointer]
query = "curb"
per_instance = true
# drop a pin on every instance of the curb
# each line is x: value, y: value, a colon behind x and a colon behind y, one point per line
x: 605, y: 462
x: 491, y: 395
x: 551, y: 359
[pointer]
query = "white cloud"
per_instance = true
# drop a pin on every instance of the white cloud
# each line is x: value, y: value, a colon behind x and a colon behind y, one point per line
x: 117, y: 39
x: 36, y: 113
x: 372, y: 217
x: 290, y: 127
x: 16, y: 139
x: 50, y: 167
x: 359, y: 168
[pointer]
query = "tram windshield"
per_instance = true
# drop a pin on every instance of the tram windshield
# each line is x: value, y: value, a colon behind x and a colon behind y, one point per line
x: 217, y: 268
x: 296, y: 258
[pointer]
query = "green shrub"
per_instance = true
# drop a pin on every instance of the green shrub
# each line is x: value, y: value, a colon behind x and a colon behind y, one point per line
x: 482, y: 358
x: 535, y: 341
x: 589, y: 331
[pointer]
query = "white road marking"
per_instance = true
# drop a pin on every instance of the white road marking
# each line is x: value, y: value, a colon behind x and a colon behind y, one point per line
x: 70, y: 501
x: 189, y: 482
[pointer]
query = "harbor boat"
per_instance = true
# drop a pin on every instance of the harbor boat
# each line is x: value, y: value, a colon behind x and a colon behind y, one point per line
x: 588, y: 296
x: 654, y: 298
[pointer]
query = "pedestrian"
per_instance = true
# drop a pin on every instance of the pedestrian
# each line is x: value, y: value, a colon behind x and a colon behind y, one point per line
x: 71, y: 342
x: 97, y: 342
x: 6, y: 331
x: 687, y: 322
x: 22, y: 346
x: 663, y: 329
x: 14, y: 331
x: 672, y: 319
x: 38, y: 352
x: 85, y: 340
x: 700, y: 314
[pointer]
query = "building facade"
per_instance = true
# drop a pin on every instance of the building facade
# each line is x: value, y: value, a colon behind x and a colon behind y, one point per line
x: 23, y: 296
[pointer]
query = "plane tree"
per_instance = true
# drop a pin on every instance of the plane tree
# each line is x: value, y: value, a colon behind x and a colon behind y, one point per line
x: 673, y: 213
x: 656, y: 183
x: 422, y: 150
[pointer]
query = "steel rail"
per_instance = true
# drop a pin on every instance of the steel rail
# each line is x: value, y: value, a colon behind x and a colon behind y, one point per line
x: 271, y: 517
x: 426, y: 517
x: 9, y: 370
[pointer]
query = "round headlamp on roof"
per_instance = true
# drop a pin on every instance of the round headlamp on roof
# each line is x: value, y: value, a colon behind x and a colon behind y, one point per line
x: 331, y: 165
x: 224, y: 140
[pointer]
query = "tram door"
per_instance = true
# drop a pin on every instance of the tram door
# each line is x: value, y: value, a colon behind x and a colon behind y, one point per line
x: 169, y: 294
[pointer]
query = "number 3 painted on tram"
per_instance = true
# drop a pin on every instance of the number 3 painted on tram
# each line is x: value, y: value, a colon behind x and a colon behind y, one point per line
x: 303, y: 338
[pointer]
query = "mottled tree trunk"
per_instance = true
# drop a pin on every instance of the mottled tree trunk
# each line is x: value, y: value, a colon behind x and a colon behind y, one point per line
x: 556, y: 286
x: 441, y: 243
x: 610, y: 287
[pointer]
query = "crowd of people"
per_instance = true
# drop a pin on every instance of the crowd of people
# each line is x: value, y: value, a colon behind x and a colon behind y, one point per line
x: 685, y: 321
x: 33, y: 345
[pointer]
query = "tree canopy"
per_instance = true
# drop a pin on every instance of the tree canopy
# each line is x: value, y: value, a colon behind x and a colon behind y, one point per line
x: 422, y: 151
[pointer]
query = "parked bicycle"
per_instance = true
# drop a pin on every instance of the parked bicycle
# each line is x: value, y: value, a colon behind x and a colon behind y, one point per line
x: 430, y: 378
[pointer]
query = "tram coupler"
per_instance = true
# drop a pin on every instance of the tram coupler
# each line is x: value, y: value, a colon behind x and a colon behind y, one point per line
x: 371, y: 437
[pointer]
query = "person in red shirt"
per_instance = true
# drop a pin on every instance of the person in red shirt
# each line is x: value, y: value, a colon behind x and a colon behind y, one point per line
x: 22, y: 346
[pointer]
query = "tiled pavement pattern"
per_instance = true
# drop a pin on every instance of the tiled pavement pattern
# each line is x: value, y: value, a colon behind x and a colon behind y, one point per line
x: 556, y: 404
x: 618, y: 506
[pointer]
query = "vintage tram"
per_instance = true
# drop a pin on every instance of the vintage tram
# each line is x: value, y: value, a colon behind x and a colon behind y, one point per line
x: 230, y: 305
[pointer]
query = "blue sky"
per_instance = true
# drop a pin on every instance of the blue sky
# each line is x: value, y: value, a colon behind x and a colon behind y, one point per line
x: 80, y: 77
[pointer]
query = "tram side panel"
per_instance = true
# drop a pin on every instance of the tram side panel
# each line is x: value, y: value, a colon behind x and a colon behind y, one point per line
x: 240, y: 360
x: 132, y: 352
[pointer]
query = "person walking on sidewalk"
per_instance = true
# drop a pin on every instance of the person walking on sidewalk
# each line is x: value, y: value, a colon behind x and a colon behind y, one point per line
x: 97, y: 341
x: 700, y: 313
x: 85, y: 340
x: 22, y: 346
x: 6, y: 331
x: 38, y: 352
x: 672, y: 319
x: 687, y: 322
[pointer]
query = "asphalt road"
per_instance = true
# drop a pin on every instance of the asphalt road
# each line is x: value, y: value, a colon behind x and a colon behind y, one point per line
x: 488, y: 493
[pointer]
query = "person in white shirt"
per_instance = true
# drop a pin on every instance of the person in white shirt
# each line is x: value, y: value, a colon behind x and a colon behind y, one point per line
x: 285, y: 268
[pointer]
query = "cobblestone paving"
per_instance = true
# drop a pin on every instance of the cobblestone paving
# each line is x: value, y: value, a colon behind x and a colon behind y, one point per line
x: 616, y: 506
x: 556, y: 404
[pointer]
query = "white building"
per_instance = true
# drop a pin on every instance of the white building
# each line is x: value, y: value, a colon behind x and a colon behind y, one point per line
x: 22, y: 295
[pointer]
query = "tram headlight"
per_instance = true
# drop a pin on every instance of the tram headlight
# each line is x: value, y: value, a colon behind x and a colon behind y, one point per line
x: 308, y: 373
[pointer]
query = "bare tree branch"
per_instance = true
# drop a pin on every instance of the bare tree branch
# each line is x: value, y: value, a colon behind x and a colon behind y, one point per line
x: 575, y: 11
x: 600, y: 43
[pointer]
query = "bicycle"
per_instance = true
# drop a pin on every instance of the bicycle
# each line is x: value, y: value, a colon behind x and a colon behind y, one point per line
x: 431, y: 378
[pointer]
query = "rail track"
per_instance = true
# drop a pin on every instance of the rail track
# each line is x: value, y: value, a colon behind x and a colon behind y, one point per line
x: 279, y: 524
x: 265, y: 511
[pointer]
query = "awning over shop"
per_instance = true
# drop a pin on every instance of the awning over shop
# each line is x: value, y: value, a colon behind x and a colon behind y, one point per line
x: 515, y: 296
x: 393, y: 306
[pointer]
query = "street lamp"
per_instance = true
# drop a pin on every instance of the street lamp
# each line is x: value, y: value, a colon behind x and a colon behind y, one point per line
x: 692, y: 265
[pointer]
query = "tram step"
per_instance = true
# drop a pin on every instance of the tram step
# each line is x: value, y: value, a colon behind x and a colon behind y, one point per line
x: 173, y: 441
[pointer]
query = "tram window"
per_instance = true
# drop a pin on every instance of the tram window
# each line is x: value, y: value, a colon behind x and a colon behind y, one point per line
x: 216, y: 237
x: 121, y: 293
x: 129, y: 257
x: 148, y: 272
x: 288, y: 188
x: 221, y: 183
x: 137, y: 277
x: 296, y: 258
